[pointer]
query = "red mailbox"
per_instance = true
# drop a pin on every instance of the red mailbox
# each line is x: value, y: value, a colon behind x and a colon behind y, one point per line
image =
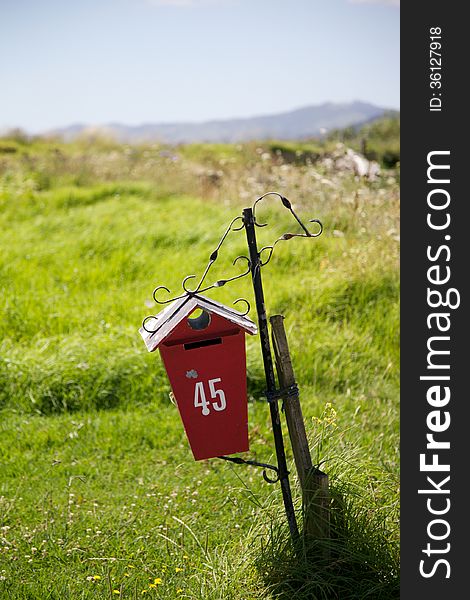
x: 204, y: 357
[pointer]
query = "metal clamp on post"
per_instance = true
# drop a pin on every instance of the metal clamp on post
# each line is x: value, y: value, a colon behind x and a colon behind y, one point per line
x: 292, y: 391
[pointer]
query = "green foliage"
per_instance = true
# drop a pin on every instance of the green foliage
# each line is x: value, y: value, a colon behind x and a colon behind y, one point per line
x: 379, y: 140
x: 99, y: 491
x: 298, y: 152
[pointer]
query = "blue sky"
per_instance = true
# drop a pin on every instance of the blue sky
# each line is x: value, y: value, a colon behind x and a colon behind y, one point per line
x: 135, y: 61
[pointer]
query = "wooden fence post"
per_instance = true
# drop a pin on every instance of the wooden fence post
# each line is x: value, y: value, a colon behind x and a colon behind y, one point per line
x: 313, y: 482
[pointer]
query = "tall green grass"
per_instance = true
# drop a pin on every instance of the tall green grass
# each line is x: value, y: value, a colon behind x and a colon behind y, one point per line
x: 99, y: 493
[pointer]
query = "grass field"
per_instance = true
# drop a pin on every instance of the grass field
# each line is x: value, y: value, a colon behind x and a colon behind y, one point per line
x: 99, y: 494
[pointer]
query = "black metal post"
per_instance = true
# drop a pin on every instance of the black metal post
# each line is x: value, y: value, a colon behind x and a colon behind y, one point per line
x: 269, y: 371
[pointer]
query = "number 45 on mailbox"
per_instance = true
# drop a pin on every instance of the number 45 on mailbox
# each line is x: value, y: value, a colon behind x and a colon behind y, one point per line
x: 204, y: 357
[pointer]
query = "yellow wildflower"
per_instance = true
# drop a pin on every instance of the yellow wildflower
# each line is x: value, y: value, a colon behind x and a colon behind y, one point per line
x: 178, y: 569
x: 157, y: 581
x: 179, y: 591
x: 96, y: 577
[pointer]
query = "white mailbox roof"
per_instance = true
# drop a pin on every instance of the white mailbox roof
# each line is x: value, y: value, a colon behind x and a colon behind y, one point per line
x: 163, y: 324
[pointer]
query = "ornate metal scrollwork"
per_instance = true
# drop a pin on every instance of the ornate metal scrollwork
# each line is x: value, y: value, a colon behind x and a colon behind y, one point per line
x: 237, y: 224
x: 284, y: 236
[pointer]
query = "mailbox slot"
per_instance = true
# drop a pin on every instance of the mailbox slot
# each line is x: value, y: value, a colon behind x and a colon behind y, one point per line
x: 202, y: 339
x: 202, y: 343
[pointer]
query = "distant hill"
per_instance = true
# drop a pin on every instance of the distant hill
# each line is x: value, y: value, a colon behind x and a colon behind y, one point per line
x: 307, y: 122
